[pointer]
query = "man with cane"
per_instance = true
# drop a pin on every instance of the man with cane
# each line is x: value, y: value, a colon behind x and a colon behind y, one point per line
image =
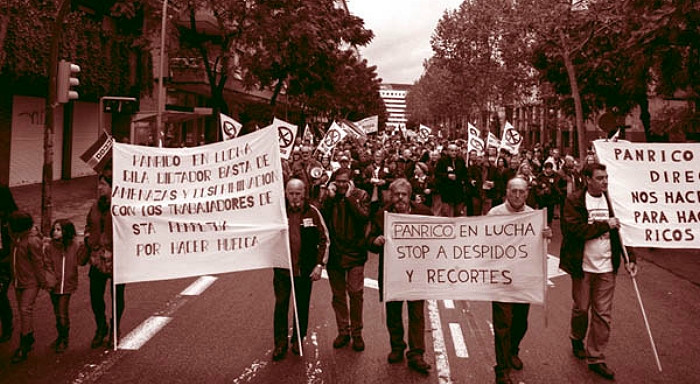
x: 591, y: 251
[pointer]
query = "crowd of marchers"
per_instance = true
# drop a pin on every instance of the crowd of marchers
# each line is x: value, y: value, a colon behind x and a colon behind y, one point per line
x: 335, y: 205
x: 350, y: 189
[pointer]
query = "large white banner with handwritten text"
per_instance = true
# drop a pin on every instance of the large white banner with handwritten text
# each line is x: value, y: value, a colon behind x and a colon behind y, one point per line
x: 487, y: 258
x: 655, y: 192
x: 181, y: 212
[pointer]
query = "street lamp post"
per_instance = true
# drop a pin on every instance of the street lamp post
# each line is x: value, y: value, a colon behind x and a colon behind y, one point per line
x: 159, y: 96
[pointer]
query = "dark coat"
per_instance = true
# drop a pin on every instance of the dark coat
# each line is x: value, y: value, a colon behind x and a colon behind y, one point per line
x: 346, y: 218
x: 452, y: 191
x: 576, y: 231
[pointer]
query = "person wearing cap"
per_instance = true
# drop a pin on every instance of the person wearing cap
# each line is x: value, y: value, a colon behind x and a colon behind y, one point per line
x: 547, y: 193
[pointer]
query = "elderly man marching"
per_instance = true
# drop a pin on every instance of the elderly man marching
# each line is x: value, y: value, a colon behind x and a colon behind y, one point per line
x: 401, y: 191
x: 510, y: 319
x: 308, y: 242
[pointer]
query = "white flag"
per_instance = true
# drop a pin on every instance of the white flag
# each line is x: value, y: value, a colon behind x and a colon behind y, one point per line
x: 511, y: 139
x: 230, y: 128
x: 424, y: 131
x: 286, y: 133
x: 474, y: 141
x: 333, y: 136
x: 493, y: 141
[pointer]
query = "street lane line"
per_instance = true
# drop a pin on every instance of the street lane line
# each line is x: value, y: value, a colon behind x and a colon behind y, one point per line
x: 313, y: 367
x: 441, y: 362
x: 199, y: 286
x: 250, y: 372
x: 449, y: 304
x: 141, y: 334
x: 369, y: 283
x: 458, y: 340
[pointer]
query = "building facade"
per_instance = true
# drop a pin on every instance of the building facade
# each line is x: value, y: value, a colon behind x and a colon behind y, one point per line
x: 394, y: 97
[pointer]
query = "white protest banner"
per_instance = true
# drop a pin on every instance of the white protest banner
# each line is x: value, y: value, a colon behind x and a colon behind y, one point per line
x: 230, y: 128
x: 369, y: 124
x: 333, y: 136
x: 474, y: 140
x: 308, y: 135
x: 181, y: 212
x: 485, y: 258
x: 511, y: 139
x: 286, y: 134
x: 655, y: 192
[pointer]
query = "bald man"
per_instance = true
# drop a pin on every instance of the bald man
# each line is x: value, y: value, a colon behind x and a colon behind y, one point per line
x: 510, y: 319
x: 308, y: 242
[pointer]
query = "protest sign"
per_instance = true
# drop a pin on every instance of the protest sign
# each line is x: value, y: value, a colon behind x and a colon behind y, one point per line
x: 333, y: 136
x: 501, y: 258
x: 180, y: 212
x: 511, y: 139
x: 369, y: 124
x: 474, y: 140
x: 230, y: 128
x: 655, y: 192
x: 424, y: 132
x: 286, y: 134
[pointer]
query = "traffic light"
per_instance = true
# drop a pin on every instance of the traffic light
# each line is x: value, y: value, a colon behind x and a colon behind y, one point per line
x: 66, y: 80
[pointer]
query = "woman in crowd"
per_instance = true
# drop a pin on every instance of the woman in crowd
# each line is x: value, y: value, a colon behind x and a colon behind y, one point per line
x: 422, y: 186
x: 62, y: 253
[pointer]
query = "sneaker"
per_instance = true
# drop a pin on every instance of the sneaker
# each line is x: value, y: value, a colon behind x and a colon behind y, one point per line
x: 341, y: 341
x: 516, y: 363
x: 579, y: 350
x: 358, y: 344
x: 419, y: 365
x: 603, y: 370
x: 279, y: 353
x: 396, y: 356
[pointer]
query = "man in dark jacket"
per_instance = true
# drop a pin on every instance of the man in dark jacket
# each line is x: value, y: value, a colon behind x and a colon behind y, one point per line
x: 401, y: 192
x: 591, y: 251
x: 346, y: 212
x: 450, y: 173
x: 308, y: 241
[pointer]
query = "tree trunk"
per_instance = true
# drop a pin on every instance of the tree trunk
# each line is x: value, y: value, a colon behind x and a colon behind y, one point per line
x: 571, y: 72
x: 645, y: 117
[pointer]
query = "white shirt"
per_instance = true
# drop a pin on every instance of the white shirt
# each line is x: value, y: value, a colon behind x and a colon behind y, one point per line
x: 597, y: 253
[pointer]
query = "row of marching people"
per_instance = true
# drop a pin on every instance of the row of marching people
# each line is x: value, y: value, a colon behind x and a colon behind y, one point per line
x: 31, y: 263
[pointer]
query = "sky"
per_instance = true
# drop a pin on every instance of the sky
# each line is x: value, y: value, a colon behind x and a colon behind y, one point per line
x: 402, y: 30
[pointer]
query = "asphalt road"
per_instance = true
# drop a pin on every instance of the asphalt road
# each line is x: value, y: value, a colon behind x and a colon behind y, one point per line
x: 224, y: 333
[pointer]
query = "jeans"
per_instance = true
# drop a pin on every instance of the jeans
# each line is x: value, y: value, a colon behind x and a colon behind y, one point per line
x: 593, y: 294
x: 509, y: 327
x: 60, y: 309
x: 416, y: 326
x: 98, y: 286
x: 348, y: 282
x: 26, y: 297
x: 283, y: 291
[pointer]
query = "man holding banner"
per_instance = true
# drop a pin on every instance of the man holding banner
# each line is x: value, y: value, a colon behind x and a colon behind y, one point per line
x: 308, y: 242
x: 510, y: 319
x: 591, y: 251
x: 401, y: 191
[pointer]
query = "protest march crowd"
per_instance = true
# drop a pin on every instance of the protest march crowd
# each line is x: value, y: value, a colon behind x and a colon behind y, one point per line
x: 336, y: 202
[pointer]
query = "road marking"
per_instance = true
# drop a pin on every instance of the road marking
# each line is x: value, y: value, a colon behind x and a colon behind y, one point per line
x: 449, y: 304
x: 490, y: 327
x: 441, y: 362
x: 199, y: 286
x: 313, y: 368
x: 369, y: 283
x: 553, y: 269
x: 458, y: 340
x: 141, y: 334
x: 252, y: 371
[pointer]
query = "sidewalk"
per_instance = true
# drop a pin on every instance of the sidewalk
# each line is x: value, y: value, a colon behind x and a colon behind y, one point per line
x: 71, y: 199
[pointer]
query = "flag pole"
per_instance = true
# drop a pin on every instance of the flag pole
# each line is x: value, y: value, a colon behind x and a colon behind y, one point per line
x: 636, y: 290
